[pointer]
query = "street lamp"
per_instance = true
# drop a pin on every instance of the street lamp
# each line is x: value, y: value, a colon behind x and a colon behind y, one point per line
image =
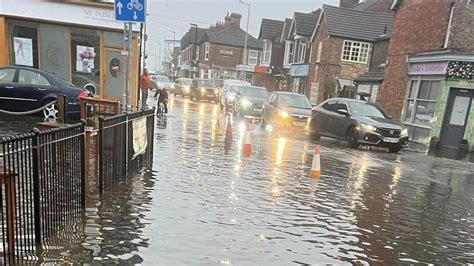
x: 195, y: 26
x: 246, y: 35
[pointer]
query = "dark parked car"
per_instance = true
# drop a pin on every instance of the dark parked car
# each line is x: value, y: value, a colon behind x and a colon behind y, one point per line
x: 204, y: 89
x: 249, y: 101
x: 25, y: 89
x: 286, y: 110
x: 182, y: 86
x: 358, y: 122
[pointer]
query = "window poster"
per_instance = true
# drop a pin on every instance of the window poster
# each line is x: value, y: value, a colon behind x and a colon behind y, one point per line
x: 85, y: 59
x: 23, y: 51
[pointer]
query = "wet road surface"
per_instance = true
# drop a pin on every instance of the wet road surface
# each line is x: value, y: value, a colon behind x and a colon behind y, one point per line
x: 203, y: 205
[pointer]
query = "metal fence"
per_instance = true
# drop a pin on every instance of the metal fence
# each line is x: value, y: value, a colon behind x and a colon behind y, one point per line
x: 125, y: 146
x: 42, y: 188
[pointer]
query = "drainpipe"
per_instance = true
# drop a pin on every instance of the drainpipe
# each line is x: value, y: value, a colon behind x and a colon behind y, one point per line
x: 448, y: 31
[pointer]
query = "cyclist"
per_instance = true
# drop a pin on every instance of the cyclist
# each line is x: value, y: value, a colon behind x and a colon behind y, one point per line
x: 162, y: 98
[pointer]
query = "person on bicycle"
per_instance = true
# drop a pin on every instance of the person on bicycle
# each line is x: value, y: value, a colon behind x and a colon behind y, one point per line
x: 162, y: 98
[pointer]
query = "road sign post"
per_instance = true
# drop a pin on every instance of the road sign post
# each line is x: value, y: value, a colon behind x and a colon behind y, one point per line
x: 129, y: 11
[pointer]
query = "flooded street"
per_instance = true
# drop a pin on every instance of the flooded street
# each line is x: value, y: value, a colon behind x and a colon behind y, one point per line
x: 203, y: 205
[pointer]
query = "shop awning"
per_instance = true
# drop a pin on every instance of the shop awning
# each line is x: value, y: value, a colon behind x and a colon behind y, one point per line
x: 345, y: 82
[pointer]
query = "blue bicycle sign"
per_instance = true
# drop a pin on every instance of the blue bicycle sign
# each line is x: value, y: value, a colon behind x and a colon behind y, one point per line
x: 130, y: 10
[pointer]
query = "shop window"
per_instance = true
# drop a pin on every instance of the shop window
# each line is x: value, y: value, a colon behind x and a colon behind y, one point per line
x: 85, y: 58
x: 357, y: 52
x: 420, y: 105
x: 24, y: 44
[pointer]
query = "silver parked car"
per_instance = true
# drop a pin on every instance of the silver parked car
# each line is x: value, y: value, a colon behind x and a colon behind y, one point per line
x: 358, y: 122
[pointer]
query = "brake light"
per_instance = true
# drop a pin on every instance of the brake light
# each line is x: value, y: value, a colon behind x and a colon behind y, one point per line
x: 82, y: 95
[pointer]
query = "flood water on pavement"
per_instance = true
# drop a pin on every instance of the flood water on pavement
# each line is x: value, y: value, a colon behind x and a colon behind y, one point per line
x: 202, y: 205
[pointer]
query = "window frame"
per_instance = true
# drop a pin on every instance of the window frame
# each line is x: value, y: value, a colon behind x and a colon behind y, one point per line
x: 206, y: 51
x: 267, y: 52
x: 416, y: 99
x: 20, y: 71
x: 353, y: 53
x: 302, y: 47
x: 289, y: 47
x: 252, y: 57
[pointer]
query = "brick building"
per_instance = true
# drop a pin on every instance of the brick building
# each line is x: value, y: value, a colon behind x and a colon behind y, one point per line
x: 428, y: 80
x: 342, y: 43
x: 219, y: 51
x: 272, y: 54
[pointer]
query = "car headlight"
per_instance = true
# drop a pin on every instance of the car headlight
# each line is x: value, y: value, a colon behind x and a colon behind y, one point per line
x: 172, y: 86
x: 216, y: 91
x: 245, y: 103
x: 283, y: 114
x: 186, y: 89
x: 405, y: 132
x: 203, y: 90
x: 369, y: 127
x: 231, y: 97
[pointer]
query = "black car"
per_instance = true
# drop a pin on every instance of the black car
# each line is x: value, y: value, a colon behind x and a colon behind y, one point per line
x: 249, y: 101
x: 286, y: 110
x: 358, y: 122
x: 204, y: 89
x: 25, y: 89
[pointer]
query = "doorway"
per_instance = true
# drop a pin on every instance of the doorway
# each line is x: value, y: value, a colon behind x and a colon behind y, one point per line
x: 115, y: 77
x: 455, y: 121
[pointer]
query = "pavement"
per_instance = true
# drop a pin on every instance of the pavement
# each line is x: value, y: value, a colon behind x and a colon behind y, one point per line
x: 204, y: 203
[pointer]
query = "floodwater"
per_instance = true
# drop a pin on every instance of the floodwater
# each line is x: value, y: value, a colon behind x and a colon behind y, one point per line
x: 202, y: 204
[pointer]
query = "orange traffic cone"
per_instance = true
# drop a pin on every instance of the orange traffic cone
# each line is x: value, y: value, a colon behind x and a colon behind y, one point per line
x: 217, y: 129
x: 228, y: 131
x: 316, y: 167
x: 247, y: 146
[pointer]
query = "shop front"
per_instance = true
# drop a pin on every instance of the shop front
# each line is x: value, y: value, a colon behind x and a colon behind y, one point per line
x: 438, y: 104
x: 299, y: 75
x: 82, y: 45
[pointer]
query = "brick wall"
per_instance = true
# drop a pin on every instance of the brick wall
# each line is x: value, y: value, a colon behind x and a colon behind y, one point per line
x: 330, y: 66
x: 462, y: 35
x: 381, y: 6
x: 418, y: 26
x: 379, y: 52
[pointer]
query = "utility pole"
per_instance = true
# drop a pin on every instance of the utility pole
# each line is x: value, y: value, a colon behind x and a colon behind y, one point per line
x: 246, y: 37
x: 195, y: 26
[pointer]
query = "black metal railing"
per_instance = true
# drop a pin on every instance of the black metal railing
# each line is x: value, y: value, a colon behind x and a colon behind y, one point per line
x: 43, y: 181
x: 125, y: 146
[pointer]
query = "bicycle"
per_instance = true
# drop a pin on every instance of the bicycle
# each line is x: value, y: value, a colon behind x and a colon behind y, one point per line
x: 160, y: 111
x: 134, y: 4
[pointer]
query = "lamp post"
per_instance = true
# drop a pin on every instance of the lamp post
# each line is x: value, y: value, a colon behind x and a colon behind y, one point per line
x: 246, y: 36
x: 195, y: 26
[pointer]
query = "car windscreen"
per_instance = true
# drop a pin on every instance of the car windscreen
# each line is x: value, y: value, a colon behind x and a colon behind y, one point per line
x: 233, y: 88
x: 365, y: 109
x: 254, y: 92
x: 297, y: 101
x: 205, y: 82
x: 162, y: 79
x: 187, y: 81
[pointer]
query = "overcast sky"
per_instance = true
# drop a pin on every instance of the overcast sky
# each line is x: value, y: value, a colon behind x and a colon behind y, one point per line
x: 175, y: 15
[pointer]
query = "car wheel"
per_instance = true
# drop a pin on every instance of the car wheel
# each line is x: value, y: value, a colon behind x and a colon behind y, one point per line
x: 352, y: 138
x: 51, y: 111
x: 394, y: 148
x: 314, y: 132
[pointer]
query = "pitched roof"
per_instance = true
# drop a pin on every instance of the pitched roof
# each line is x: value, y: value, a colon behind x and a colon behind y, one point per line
x: 286, y: 28
x: 356, y: 24
x: 190, y: 36
x: 270, y: 29
x: 365, y: 5
x: 374, y: 75
x: 233, y: 36
x: 304, y: 23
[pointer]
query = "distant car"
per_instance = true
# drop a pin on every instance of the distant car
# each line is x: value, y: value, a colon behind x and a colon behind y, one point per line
x: 358, y: 122
x: 286, y: 110
x: 204, y: 89
x: 249, y: 101
x: 26, y: 89
x: 161, y: 82
x: 182, y: 86
x: 227, y: 94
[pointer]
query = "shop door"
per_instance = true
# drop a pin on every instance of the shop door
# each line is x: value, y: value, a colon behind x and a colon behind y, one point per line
x: 115, y: 78
x: 456, y: 117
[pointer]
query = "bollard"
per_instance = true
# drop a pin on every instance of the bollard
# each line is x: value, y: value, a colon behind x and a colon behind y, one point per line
x: 316, y: 166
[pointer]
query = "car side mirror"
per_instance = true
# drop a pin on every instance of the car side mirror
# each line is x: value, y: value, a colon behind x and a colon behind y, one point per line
x: 343, y: 112
x: 390, y: 116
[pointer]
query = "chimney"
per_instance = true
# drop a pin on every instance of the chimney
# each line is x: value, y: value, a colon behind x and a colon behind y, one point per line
x: 348, y: 3
x: 232, y: 20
